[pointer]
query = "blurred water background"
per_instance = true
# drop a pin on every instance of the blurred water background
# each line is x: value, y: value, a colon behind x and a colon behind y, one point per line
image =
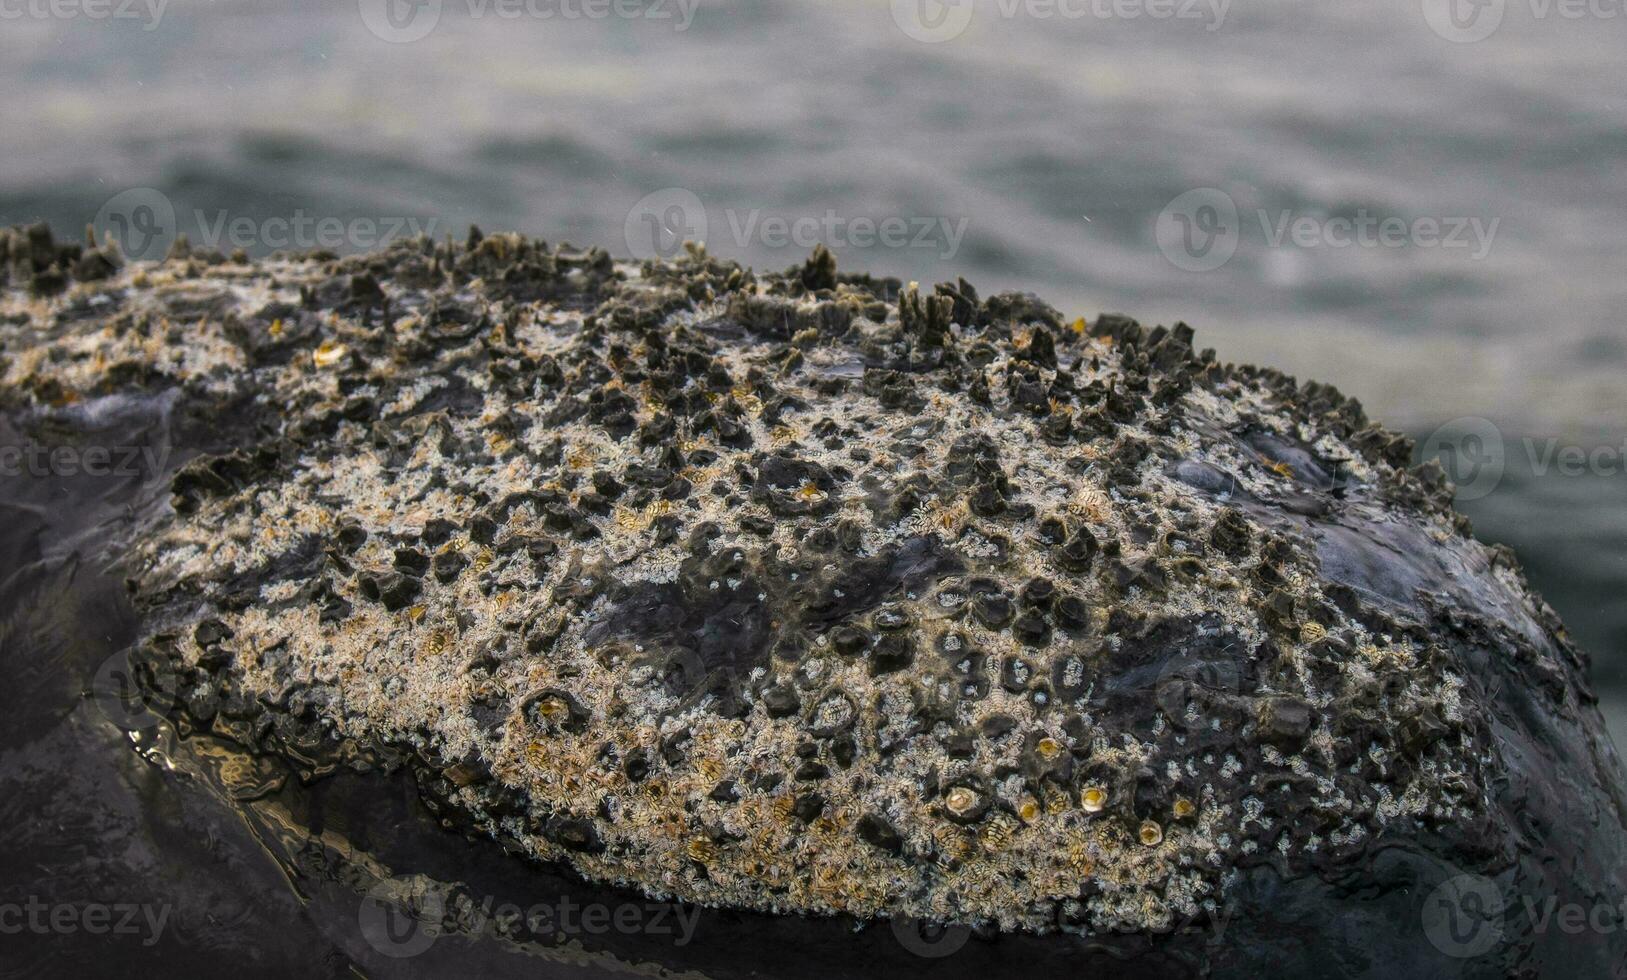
x: 1022, y: 145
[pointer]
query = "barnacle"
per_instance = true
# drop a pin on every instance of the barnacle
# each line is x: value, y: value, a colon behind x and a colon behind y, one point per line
x: 1093, y: 799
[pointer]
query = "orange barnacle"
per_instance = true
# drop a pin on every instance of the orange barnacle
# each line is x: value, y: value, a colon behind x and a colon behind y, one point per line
x: 1093, y: 799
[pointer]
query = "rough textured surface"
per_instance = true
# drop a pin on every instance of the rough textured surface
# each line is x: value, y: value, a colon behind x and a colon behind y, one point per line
x: 817, y: 593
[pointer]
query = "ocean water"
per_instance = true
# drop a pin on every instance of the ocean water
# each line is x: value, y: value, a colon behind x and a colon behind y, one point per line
x: 1370, y: 195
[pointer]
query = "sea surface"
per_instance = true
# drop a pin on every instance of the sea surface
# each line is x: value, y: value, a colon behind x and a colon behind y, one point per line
x: 1372, y: 195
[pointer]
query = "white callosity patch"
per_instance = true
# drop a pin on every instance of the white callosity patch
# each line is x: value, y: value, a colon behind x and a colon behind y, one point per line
x: 974, y: 749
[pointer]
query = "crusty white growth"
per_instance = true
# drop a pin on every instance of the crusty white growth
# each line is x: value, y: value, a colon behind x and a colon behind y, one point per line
x: 1187, y: 787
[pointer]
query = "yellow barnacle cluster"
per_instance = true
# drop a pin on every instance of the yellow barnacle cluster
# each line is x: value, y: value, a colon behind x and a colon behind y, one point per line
x: 329, y: 353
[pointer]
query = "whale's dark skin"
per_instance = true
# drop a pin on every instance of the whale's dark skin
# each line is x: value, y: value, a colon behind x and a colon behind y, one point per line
x: 820, y: 598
